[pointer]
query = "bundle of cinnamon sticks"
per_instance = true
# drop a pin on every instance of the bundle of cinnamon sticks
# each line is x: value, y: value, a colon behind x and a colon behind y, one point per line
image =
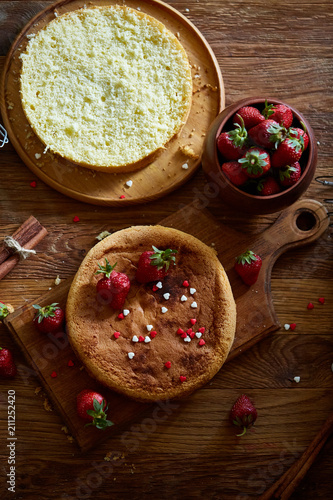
x: 28, y: 235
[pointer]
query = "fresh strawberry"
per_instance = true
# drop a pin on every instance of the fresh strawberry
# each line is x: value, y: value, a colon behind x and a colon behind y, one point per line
x: 248, y: 265
x: 49, y: 319
x: 243, y: 413
x: 301, y: 135
x: 289, y: 151
x: 7, y: 365
x: 154, y: 264
x: 113, y: 288
x: 267, y: 134
x: 255, y: 162
x: 232, y: 145
x: 92, y: 407
x: 234, y: 172
x: 251, y: 117
x: 268, y: 186
x: 280, y: 113
x: 290, y: 174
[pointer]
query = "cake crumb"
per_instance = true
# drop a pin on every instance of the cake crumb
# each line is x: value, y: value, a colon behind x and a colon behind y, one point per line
x: 47, y: 405
x: 57, y: 281
x: 37, y: 390
x: 65, y: 429
x: 102, y: 235
x: 188, y: 151
x: 297, y: 379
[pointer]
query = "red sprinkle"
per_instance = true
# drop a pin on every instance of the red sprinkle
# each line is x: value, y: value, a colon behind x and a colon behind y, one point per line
x: 167, y: 364
x: 122, y: 196
x: 193, y: 321
x: 186, y: 283
x: 202, y: 329
x: 321, y: 300
x: 54, y: 374
x: 121, y: 316
x: 192, y: 335
x: 70, y: 363
x: 182, y: 378
x: 180, y: 331
x: 310, y: 305
x: 76, y: 219
x: 153, y: 334
x: 33, y: 184
x: 184, y: 335
x: 116, y: 335
x: 202, y: 342
x: 155, y: 288
x: 141, y: 339
x: 189, y: 331
x: 292, y: 326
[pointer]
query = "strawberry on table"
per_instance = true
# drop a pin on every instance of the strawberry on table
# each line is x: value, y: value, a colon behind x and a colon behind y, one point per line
x: 268, y: 186
x: 290, y: 174
x: 289, y: 151
x: 113, y: 288
x: 7, y: 365
x: 247, y: 266
x: 243, y: 413
x: 92, y: 407
x: 251, y: 117
x: 49, y: 319
x: 154, y: 264
x: 255, y: 162
x: 300, y: 134
x: 280, y: 113
x: 232, y: 145
x: 234, y: 172
x: 267, y: 134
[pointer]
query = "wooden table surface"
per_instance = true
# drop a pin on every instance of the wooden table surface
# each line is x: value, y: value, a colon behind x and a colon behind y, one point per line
x: 277, y: 48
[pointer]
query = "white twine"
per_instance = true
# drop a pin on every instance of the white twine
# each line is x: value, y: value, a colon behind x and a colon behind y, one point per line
x: 14, y: 245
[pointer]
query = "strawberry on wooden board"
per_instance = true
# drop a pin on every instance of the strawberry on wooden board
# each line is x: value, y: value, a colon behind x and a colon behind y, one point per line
x: 280, y: 113
x: 113, y: 287
x: 290, y: 174
x: 92, y: 407
x: 235, y: 173
x: 251, y: 117
x: 49, y: 319
x: 243, y: 413
x: 232, y: 145
x: 247, y: 266
x: 268, y: 186
x: 267, y: 134
x: 154, y: 264
x: 300, y: 134
x: 289, y: 151
x: 255, y: 162
x: 7, y: 364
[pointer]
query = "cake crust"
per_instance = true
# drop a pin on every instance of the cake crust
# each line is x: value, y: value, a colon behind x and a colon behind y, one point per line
x: 91, y: 324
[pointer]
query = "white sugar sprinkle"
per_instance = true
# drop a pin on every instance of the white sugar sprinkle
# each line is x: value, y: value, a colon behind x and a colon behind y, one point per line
x: 129, y: 183
x: 147, y: 339
x: 149, y: 327
x: 192, y: 291
x: 187, y: 339
x: 125, y: 312
x: 183, y: 298
x: 37, y: 156
x: 194, y: 305
x: 135, y: 338
x: 185, y: 166
x: 131, y: 355
x: 159, y: 284
x: 164, y: 310
x: 198, y: 335
x: 286, y: 326
x: 166, y: 296
x: 297, y: 379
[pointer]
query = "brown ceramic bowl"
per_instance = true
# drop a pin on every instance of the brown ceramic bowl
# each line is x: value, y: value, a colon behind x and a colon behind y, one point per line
x: 233, y: 195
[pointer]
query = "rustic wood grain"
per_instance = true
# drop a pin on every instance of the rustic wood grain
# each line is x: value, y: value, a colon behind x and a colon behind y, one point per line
x: 280, y: 48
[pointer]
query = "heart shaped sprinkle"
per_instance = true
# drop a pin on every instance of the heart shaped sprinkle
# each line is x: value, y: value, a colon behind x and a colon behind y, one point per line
x: 189, y: 330
x: 149, y: 328
x: 153, y: 334
x: 121, y: 316
x: 185, y: 283
x: 147, y: 339
x: 131, y: 355
x: 321, y: 300
x: 33, y: 184
x: 194, y: 305
x: 182, y: 378
x: 180, y: 331
x: 70, y: 363
x: 183, y: 298
x: 154, y: 288
x: 193, y: 321
x: 292, y: 326
x: 192, y: 291
x: 126, y: 312
x: 159, y: 284
x: 135, y: 338
x: 202, y: 329
x: 122, y: 197
x: 166, y: 296
x: 187, y: 339
x: 192, y: 335
x: 310, y: 306
x: 286, y: 326
x: 76, y: 219
x: 183, y: 335
x: 164, y: 310
x: 129, y: 183
x: 198, y: 335
x: 167, y: 364
x: 54, y: 374
x: 141, y: 339
x: 116, y: 335
x: 202, y: 342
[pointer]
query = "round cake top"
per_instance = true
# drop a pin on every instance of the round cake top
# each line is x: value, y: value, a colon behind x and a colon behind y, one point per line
x: 143, y: 353
x: 106, y: 87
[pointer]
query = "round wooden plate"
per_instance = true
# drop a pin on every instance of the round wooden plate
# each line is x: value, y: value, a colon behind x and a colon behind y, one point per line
x: 164, y: 174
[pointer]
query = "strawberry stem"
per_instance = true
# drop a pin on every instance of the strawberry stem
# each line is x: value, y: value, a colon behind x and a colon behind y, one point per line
x: 242, y: 434
x: 163, y: 258
x: 107, y: 269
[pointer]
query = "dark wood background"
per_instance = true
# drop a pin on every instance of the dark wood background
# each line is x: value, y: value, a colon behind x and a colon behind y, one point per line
x: 277, y: 48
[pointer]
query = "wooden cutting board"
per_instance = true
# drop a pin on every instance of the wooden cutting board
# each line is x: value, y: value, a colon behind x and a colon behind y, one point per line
x: 165, y: 173
x: 300, y: 224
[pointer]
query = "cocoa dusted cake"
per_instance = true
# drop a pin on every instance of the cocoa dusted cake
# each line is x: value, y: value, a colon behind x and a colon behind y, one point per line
x: 150, y: 313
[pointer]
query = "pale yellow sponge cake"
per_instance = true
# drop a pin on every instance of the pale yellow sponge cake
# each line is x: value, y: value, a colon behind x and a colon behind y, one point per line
x: 106, y: 87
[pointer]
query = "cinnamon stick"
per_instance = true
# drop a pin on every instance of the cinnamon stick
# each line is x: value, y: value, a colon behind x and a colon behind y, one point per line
x: 283, y: 488
x: 26, y: 232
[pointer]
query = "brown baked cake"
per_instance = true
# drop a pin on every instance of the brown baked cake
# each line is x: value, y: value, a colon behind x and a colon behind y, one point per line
x: 172, y: 336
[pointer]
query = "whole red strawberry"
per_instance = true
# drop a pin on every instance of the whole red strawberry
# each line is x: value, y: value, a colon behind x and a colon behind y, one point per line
x: 301, y: 135
x: 232, y: 145
x: 290, y: 174
x: 7, y: 365
x: 280, y: 113
x: 243, y: 413
x: 255, y: 162
x: 49, y: 319
x: 235, y: 173
x: 154, y: 264
x: 113, y: 288
x: 267, y: 134
x: 247, y: 266
x: 289, y: 151
x: 251, y: 117
x: 92, y: 407
x: 268, y: 186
